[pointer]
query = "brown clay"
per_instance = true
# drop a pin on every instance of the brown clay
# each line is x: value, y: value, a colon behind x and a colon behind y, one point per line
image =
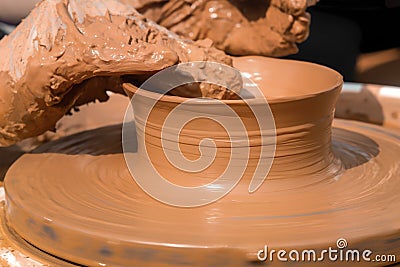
x: 85, y: 207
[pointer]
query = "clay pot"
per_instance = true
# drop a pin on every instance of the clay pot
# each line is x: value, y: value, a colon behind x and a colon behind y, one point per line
x: 301, y: 97
x: 95, y: 213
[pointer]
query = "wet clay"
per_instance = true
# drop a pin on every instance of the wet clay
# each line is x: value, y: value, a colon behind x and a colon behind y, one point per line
x: 67, y: 53
x: 269, y: 28
x: 325, y: 184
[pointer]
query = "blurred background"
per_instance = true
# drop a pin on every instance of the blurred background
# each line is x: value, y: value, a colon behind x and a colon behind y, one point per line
x: 359, y: 38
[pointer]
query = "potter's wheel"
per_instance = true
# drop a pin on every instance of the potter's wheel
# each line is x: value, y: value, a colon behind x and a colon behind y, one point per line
x: 119, y: 225
x: 138, y: 230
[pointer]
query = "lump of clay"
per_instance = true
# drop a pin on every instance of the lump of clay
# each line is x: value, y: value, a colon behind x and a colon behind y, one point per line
x: 69, y: 52
x: 240, y: 27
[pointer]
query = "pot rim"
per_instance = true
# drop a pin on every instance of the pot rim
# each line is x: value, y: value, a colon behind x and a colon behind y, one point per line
x: 131, y: 89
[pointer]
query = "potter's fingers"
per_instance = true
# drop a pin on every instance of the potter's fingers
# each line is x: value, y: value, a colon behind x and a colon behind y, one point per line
x: 174, y: 12
x: 292, y: 29
x: 277, y: 20
x: 208, y: 19
x: 293, y: 7
x: 301, y: 28
x: 264, y: 42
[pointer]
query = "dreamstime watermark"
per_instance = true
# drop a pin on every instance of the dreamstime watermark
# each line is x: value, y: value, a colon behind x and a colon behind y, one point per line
x: 136, y: 125
x: 340, y: 253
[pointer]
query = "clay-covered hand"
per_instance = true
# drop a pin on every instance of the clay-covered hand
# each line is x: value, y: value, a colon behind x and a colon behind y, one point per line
x: 69, y: 52
x: 240, y: 27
